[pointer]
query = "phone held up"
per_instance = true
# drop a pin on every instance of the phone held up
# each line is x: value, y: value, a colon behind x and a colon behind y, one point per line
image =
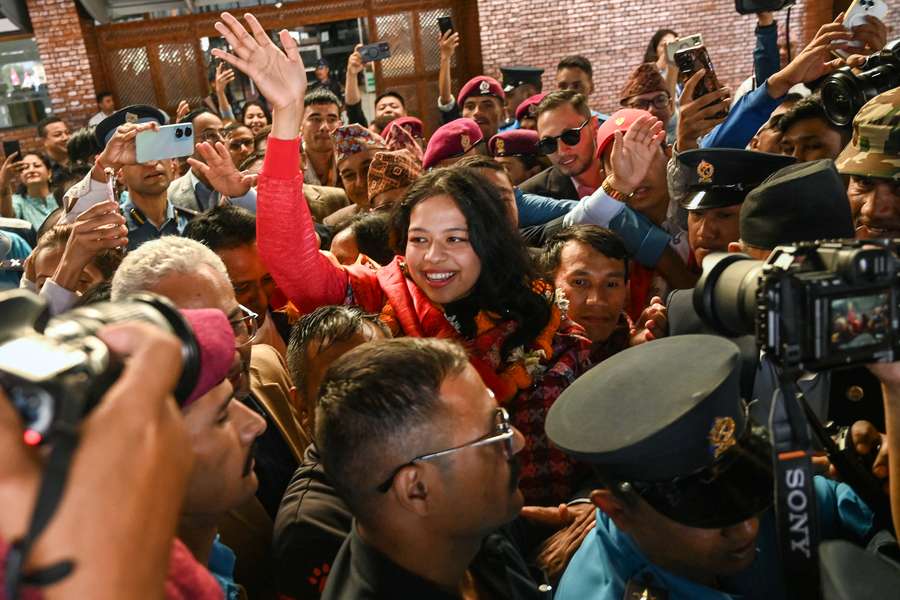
x: 691, y: 60
x: 12, y: 146
x: 375, y: 52
x: 169, y: 141
x: 445, y: 24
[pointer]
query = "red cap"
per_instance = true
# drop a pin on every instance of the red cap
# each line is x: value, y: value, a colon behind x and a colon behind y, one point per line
x: 215, y: 340
x: 452, y: 139
x: 528, y: 108
x: 620, y: 120
x: 515, y: 142
x: 480, y: 86
x: 414, y: 126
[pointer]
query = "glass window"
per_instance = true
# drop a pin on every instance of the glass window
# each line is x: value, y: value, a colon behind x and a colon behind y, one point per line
x: 23, y: 86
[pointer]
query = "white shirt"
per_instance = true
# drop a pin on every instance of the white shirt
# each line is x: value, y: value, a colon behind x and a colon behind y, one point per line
x: 95, y: 120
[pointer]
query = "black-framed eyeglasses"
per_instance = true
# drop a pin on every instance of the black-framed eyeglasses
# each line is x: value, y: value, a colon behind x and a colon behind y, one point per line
x: 659, y: 101
x: 503, y: 432
x: 245, y: 327
x: 571, y: 137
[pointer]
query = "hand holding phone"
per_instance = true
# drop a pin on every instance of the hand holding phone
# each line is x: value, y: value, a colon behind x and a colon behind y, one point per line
x: 691, y: 60
x: 375, y: 52
x: 690, y: 41
x: 445, y: 24
x: 169, y: 141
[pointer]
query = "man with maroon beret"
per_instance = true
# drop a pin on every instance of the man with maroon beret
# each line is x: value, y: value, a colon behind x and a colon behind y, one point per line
x: 517, y: 150
x: 451, y: 142
x: 481, y: 99
x: 526, y: 114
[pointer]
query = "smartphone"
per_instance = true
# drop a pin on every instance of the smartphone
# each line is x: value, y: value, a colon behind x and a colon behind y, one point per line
x: 170, y: 141
x: 691, y: 60
x: 12, y: 146
x: 690, y: 41
x: 376, y: 51
x: 856, y: 16
x: 445, y: 24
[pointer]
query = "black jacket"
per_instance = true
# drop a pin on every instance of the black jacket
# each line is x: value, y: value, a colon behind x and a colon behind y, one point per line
x: 552, y: 184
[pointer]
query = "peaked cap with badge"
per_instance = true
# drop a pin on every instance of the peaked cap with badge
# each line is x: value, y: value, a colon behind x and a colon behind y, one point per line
x: 136, y: 113
x: 665, y: 420
x: 719, y: 177
x: 480, y: 86
x: 513, y: 77
x: 874, y: 150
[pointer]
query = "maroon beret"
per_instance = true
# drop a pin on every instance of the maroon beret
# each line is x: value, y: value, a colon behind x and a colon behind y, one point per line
x: 515, y: 142
x: 480, y: 86
x: 413, y: 125
x: 620, y: 120
x: 452, y: 139
x: 528, y: 108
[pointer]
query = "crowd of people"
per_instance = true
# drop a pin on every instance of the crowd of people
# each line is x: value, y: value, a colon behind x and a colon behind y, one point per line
x: 454, y: 364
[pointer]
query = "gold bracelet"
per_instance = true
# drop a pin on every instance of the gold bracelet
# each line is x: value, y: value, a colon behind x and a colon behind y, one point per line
x: 612, y: 192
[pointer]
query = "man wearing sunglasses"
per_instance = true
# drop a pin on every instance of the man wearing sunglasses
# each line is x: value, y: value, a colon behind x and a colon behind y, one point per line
x: 439, y: 478
x: 684, y: 479
x: 646, y: 90
x: 568, y: 132
x: 193, y: 276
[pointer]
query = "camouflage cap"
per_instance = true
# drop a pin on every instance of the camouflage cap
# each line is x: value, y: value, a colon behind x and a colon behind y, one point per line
x: 874, y: 150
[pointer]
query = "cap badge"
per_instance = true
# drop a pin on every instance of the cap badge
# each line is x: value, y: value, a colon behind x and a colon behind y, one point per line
x: 532, y: 110
x: 619, y: 121
x: 485, y: 87
x: 721, y: 436
x: 131, y: 117
x: 465, y: 142
x: 500, y: 147
x: 705, y: 171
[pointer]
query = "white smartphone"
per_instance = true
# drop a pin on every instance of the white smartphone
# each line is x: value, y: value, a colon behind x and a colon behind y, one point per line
x: 860, y: 9
x: 690, y: 41
x: 170, y: 141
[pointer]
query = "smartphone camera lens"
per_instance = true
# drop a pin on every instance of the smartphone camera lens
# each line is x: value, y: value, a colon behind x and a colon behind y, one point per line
x: 178, y: 133
x: 188, y: 132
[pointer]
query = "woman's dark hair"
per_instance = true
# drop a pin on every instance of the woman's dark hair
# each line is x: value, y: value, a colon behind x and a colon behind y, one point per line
x: 22, y: 189
x: 83, y: 146
x: 504, y: 285
x: 262, y: 107
x: 650, y: 55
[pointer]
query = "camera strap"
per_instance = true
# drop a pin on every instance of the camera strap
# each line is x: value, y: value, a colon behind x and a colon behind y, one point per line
x: 64, y: 439
x: 795, y: 494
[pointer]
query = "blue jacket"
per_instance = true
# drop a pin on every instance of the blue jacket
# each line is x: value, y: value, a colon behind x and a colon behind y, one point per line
x: 746, y: 117
x: 608, y: 558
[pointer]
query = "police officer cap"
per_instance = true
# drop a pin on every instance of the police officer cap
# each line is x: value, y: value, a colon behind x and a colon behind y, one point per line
x: 799, y: 203
x: 137, y: 113
x: 666, y: 419
x: 513, y: 77
x: 720, y: 177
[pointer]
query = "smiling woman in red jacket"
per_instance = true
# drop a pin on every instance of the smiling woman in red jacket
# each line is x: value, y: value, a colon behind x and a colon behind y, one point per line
x: 464, y: 273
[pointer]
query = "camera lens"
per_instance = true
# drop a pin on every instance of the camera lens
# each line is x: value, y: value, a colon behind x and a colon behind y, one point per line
x: 725, y: 295
x: 178, y: 133
x: 840, y: 97
x: 188, y: 132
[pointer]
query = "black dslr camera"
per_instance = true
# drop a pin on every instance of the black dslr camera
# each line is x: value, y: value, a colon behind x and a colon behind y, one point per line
x: 844, y: 92
x: 812, y: 306
x: 47, y: 362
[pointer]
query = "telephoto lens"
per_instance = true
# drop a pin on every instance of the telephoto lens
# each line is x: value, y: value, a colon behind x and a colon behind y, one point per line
x: 725, y: 294
x: 845, y: 92
x: 45, y: 363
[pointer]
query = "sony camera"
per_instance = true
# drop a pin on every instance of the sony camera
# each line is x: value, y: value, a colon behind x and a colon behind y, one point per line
x: 812, y: 306
x: 45, y: 363
x: 845, y: 92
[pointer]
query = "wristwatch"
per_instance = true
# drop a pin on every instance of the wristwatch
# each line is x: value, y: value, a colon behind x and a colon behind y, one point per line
x: 612, y: 192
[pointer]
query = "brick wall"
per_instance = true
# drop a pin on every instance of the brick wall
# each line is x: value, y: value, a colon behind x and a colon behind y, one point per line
x: 614, y: 37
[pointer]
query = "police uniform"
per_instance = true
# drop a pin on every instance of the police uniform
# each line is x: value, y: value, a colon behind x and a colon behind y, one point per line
x: 514, y: 77
x: 687, y: 448
x: 141, y: 230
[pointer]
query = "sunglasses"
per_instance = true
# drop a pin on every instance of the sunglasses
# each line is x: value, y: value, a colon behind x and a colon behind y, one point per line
x: 548, y: 145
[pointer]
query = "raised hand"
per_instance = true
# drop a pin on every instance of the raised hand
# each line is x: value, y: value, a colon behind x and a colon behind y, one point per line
x: 699, y: 116
x: 219, y: 170
x: 183, y: 109
x: 633, y: 152
x: 815, y: 60
x: 652, y: 324
x: 101, y: 227
x: 10, y: 170
x: 223, y: 78
x: 449, y: 42
x: 355, y: 62
x: 279, y: 74
x: 873, y: 35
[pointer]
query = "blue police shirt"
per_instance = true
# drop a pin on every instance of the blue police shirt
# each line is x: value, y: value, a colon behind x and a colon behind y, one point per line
x: 141, y: 230
x: 608, y: 558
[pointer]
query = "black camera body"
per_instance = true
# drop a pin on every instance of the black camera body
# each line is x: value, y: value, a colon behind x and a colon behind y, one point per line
x: 45, y: 363
x: 845, y: 92
x: 749, y: 7
x: 812, y: 306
